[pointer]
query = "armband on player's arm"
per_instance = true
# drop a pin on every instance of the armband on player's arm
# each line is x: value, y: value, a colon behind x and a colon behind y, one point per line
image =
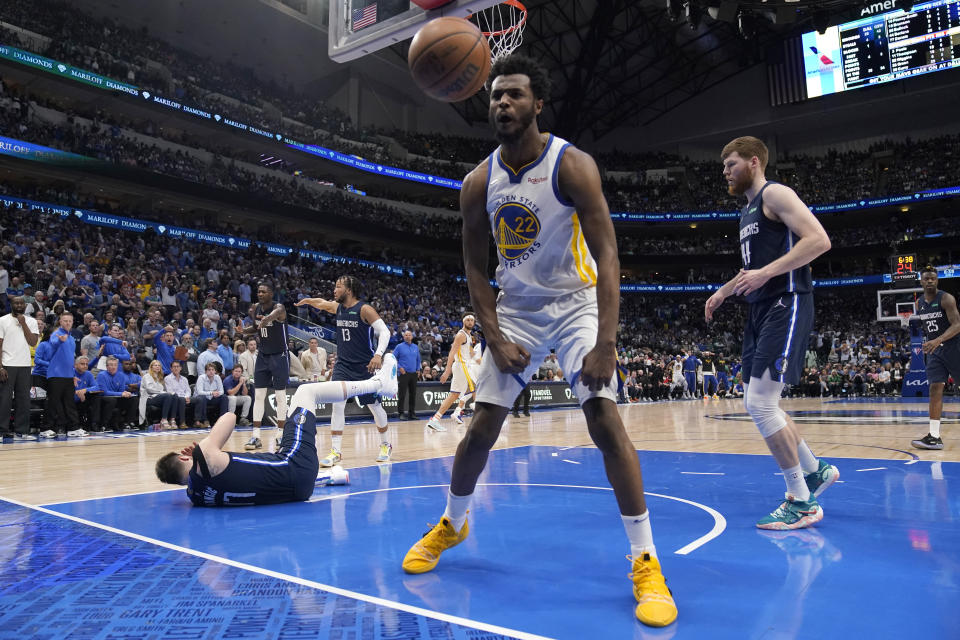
x: 383, y: 336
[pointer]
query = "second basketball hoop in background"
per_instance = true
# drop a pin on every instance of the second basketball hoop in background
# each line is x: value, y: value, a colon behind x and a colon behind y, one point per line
x: 449, y: 59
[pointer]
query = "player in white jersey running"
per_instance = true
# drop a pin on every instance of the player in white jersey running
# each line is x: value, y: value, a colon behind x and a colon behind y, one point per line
x: 458, y: 361
x: 559, y: 279
x: 677, y: 381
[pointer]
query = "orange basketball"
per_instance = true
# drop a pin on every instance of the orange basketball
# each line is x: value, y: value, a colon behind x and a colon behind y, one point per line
x: 449, y: 59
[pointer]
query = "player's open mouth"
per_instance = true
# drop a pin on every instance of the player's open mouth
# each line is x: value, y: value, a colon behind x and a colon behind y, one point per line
x: 504, y: 119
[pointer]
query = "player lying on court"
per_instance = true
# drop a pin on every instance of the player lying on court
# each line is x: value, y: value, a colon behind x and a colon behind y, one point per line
x: 216, y: 478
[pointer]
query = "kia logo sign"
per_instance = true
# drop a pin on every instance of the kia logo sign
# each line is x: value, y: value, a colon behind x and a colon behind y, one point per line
x: 916, y: 383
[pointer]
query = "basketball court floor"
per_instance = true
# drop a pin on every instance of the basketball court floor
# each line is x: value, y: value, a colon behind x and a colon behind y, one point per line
x: 92, y: 546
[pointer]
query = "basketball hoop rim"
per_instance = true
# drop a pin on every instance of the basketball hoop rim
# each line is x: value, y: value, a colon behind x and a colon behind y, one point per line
x: 516, y: 4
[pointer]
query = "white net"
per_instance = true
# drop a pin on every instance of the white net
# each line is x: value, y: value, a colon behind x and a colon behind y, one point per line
x: 503, y: 25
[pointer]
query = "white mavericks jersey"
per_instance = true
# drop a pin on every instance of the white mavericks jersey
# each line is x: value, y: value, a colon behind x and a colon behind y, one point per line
x: 540, y: 244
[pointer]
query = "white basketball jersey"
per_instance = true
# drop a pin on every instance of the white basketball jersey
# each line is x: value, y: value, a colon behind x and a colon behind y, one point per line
x: 465, y: 354
x: 540, y: 244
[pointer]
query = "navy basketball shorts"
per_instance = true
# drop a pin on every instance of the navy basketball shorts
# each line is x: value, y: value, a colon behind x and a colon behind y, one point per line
x: 343, y: 372
x: 271, y: 371
x: 776, y: 335
x: 944, y: 362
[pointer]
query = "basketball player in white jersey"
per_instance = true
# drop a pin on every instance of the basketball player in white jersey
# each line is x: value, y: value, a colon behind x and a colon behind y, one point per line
x: 458, y: 361
x: 559, y: 275
x: 473, y: 370
x: 678, y: 381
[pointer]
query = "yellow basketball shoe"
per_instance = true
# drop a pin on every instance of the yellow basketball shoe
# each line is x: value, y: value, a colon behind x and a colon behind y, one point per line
x: 655, y: 605
x: 424, y: 555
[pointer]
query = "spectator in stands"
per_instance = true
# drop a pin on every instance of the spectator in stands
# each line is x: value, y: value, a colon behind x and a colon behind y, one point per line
x: 177, y: 384
x: 208, y: 390
x: 59, y: 408
x: 314, y: 359
x: 154, y: 394
x: 225, y: 351
x: 18, y: 333
x: 41, y: 359
x: 208, y: 355
x: 238, y: 394
x: 248, y: 360
x: 84, y: 392
x: 115, y: 405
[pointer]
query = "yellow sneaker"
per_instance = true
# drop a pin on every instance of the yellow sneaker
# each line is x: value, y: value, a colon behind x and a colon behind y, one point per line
x: 655, y: 605
x: 424, y: 555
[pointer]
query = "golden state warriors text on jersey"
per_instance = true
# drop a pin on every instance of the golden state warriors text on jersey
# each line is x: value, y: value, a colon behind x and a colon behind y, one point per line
x: 540, y: 245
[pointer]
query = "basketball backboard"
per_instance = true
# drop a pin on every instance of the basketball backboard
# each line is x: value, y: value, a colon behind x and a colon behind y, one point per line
x: 359, y: 27
x: 892, y: 303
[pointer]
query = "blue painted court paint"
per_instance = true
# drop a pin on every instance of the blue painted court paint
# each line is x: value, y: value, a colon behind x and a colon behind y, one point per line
x: 60, y: 579
x: 549, y: 560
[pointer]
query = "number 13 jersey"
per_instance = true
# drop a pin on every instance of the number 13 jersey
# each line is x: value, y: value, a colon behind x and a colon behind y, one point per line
x: 540, y: 244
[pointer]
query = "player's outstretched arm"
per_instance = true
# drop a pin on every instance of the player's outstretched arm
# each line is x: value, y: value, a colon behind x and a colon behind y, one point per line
x: 785, y: 206
x: 509, y: 356
x: 329, y: 306
x: 579, y: 180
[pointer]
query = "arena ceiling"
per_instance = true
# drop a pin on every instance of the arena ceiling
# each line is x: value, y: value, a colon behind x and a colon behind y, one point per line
x: 617, y: 63
x: 614, y: 63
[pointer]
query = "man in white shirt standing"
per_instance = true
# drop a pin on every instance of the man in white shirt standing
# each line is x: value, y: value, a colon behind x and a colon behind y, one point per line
x: 314, y: 360
x: 18, y: 332
x: 248, y: 360
x: 209, y: 388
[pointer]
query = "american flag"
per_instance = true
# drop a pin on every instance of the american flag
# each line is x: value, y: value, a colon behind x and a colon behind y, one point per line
x: 364, y: 17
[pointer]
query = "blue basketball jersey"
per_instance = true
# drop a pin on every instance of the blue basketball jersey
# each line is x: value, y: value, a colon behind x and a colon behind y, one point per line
x: 761, y: 242
x: 272, y: 338
x: 933, y: 319
x: 354, y: 337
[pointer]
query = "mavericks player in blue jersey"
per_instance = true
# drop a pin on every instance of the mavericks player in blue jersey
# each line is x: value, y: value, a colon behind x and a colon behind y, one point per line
x: 357, y: 358
x: 940, y: 321
x: 217, y: 478
x: 779, y: 237
x: 559, y: 288
x: 272, y: 368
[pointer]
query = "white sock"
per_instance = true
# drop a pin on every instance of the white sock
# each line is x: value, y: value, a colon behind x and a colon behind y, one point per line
x: 336, y: 442
x: 255, y: 433
x: 639, y: 534
x: 456, y: 511
x: 808, y: 461
x: 456, y: 412
x: 281, y: 397
x: 935, y: 428
x: 796, y: 485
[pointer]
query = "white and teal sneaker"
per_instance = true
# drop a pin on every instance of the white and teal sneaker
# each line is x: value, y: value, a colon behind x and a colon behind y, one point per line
x: 388, y: 377
x: 434, y: 423
x: 793, y: 514
x: 821, y: 479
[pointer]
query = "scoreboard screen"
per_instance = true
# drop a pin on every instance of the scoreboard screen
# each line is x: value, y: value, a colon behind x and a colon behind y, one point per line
x: 883, y: 48
x: 904, y: 267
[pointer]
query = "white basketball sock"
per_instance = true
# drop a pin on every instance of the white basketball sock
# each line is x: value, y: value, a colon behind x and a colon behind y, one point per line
x: 640, y: 534
x: 808, y: 461
x: 796, y: 485
x: 935, y: 428
x: 336, y: 442
x: 456, y: 511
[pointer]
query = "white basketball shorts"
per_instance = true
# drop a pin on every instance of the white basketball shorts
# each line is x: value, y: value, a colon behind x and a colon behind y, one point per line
x: 566, y: 323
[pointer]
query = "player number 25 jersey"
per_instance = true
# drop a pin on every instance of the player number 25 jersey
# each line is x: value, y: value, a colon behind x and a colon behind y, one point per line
x: 540, y: 244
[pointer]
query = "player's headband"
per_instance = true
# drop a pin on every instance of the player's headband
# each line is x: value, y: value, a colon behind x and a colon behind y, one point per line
x: 469, y: 315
